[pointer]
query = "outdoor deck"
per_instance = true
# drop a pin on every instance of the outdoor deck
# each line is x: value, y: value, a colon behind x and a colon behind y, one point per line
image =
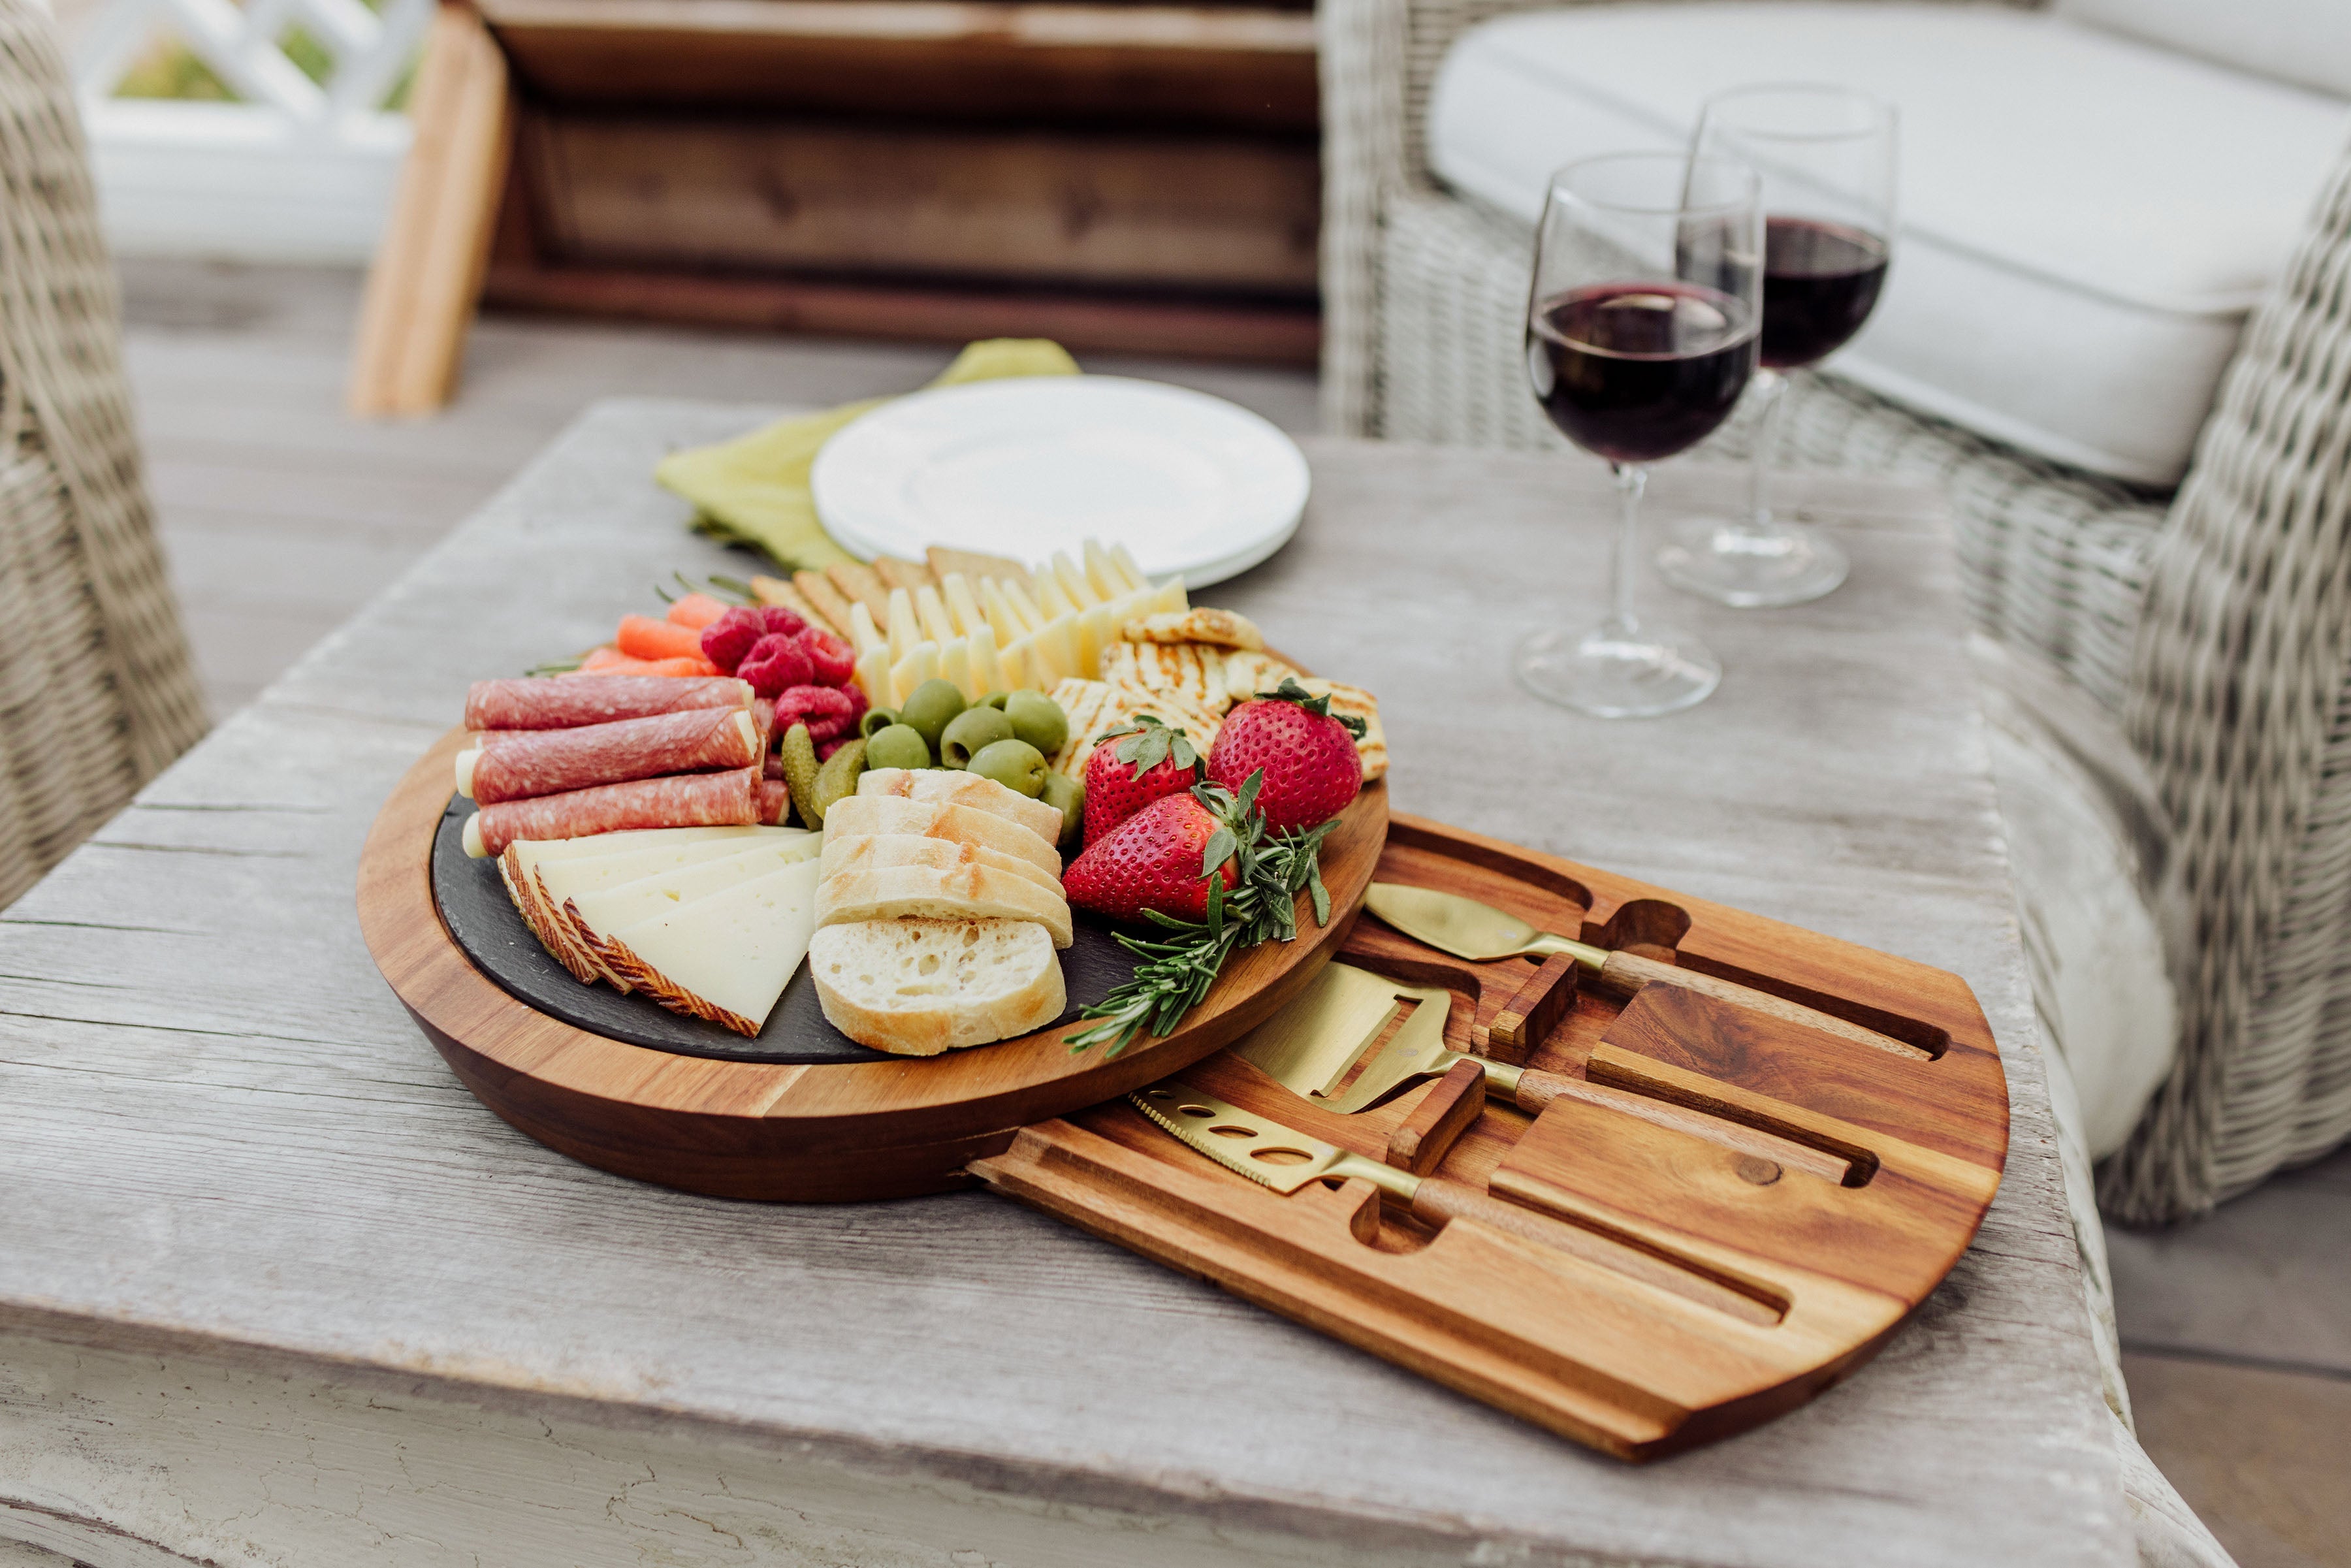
x: 282, y: 517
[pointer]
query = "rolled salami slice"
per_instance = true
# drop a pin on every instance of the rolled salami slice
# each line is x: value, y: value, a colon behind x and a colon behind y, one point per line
x: 774, y: 802
x: 692, y: 800
x: 551, y: 761
x: 534, y: 702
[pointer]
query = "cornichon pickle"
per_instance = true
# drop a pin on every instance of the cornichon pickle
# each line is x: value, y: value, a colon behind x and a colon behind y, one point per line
x: 837, y: 779
x: 798, y: 755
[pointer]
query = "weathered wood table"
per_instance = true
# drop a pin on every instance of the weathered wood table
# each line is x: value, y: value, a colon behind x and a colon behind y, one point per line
x: 274, y: 1290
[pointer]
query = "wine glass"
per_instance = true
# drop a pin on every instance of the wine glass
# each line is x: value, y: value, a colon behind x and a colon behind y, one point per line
x: 1641, y: 330
x: 1825, y: 155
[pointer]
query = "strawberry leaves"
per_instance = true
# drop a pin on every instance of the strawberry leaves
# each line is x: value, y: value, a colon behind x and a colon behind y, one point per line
x: 1290, y: 691
x: 1147, y: 743
x: 1177, y: 969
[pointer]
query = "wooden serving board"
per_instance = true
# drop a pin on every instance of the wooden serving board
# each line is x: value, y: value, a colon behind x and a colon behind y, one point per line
x: 1765, y: 1202
x: 804, y: 1131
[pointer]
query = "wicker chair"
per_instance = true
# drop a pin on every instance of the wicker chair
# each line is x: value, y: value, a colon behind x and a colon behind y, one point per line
x: 2218, y: 621
x: 97, y: 693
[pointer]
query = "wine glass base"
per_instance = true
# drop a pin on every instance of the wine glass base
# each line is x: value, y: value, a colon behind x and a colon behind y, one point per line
x: 1751, y: 567
x: 1611, y: 673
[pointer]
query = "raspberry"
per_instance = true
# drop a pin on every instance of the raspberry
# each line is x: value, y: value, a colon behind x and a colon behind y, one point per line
x: 829, y: 712
x: 774, y: 664
x: 834, y: 661
x: 779, y: 621
x: 725, y: 640
x: 825, y: 750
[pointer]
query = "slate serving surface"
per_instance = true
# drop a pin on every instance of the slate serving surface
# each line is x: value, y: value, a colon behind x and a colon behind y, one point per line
x: 482, y: 919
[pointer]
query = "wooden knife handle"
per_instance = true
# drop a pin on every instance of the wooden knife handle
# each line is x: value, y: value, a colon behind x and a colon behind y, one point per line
x: 1538, y: 1088
x: 1627, y: 973
x: 1439, y: 1202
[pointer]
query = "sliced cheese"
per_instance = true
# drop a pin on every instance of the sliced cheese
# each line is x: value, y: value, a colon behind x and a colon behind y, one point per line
x: 955, y: 664
x: 1031, y: 618
x: 615, y: 907
x: 874, y: 676
x: 931, y: 614
x: 920, y: 665
x: 1124, y: 559
x: 729, y: 957
x: 863, y: 635
x: 904, y: 629
x: 984, y: 672
x: 1095, y: 630
x: 1103, y: 572
x: 1072, y: 579
x: 1002, y: 617
x: 961, y: 606
x: 542, y: 851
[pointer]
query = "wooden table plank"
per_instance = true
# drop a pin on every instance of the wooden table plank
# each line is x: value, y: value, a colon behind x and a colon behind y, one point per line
x: 228, y: 1146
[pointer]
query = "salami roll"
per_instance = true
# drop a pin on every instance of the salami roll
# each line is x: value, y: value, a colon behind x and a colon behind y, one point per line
x: 775, y: 801
x: 542, y: 703
x: 552, y: 761
x: 692, y: 800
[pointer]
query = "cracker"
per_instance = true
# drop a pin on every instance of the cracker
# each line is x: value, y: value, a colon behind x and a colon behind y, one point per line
x: 978, y: 566
x: 865, y: 585
x: 775, y: 591
x: 895, y: 571
x: 830, y: 603
x: 1197, y: 624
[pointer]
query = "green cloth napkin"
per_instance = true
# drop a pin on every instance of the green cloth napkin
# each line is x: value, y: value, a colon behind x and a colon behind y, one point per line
x: 754, y: 491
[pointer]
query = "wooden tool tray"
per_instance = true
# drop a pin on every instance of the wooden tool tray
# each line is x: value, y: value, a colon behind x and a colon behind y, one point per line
x: 1756, y: 1204
x: 1766, y: 1202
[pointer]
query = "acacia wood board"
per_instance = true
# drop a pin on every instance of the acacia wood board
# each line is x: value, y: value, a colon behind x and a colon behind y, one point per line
x: 796, y: 1131
x: 1782, y: 1276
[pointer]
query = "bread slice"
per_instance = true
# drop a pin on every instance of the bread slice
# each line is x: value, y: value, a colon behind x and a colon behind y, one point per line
x: 860, y: 815
x: 974, y: 789
x: 967, y: 892
x: 916, y: 987
x: 876, y: 852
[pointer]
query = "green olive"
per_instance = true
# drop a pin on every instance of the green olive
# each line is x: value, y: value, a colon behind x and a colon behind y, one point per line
x: 969, y: 732
x: 1067, y: 796
x: 1015, y: 764
x: 993, y: 699
x: 875, y: 721
x: 897, y: 746
x: 1038, y: 720
x: 929, y: 707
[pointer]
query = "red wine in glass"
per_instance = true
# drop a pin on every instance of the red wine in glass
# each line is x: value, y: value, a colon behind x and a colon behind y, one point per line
x: 1637, y: 371
x: 1821, y: 282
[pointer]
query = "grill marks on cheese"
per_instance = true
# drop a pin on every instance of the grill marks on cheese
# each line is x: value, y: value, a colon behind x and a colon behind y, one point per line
x: 708, y: 921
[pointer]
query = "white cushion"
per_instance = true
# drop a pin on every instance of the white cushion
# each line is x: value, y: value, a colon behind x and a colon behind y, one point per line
x: 2307, y: 42
x: 2085, y: 219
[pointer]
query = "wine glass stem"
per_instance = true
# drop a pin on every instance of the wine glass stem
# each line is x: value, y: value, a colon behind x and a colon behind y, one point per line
x: 1774, y: 394
x: 1631, y: 480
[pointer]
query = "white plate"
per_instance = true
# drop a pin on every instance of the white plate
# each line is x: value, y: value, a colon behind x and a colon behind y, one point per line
x: 1028, y: 465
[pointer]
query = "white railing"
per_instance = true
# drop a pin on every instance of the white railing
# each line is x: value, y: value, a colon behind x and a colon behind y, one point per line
x: 293, y: 171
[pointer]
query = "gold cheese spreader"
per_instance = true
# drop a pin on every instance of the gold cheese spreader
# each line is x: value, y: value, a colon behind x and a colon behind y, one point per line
x: 1482, y: 934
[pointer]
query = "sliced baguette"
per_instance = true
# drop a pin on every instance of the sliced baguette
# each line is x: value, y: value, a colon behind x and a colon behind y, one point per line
x: 875, y: 852
x: 968, y: 892
x: 916, y: 987
x: 860, y: 815
x: 957, y: 788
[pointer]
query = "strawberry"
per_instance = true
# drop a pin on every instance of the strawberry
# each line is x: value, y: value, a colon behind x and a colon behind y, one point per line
x: 1306, y: 752
x: 1133, y: 767
x: 1160, y: 858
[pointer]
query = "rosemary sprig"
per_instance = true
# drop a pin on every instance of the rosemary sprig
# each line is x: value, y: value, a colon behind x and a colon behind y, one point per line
x: 1261, y: 905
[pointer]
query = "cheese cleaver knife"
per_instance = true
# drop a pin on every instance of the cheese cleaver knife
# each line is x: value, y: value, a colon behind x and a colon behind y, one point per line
x: 1285, y: 1159
x: 1482, y: 934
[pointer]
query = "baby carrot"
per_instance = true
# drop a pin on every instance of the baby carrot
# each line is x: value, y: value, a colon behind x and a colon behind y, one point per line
x: 695, y: 610
x: 643, y: 637
x: 606, y: 662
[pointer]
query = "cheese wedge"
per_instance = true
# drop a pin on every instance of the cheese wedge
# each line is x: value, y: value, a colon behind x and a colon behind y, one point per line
x: 539, y: 875
x: 973, y: 790
x: 864, y: 814
x: 729, y: 957
x: 616, y: 906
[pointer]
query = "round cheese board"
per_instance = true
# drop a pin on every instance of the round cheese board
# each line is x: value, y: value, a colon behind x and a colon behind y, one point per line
x: 799, y: 1113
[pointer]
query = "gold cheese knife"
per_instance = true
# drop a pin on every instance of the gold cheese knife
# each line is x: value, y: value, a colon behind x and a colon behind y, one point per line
x: 1285, y: 1159
x: 1482, y: 934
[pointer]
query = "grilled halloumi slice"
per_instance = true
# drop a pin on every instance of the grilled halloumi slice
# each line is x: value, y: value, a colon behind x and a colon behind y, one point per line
x: 1248, y: 673
x: 1195, y: 670
x: 1087, y: 705
x: 1198, y: 624
x: 1196, y: 719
